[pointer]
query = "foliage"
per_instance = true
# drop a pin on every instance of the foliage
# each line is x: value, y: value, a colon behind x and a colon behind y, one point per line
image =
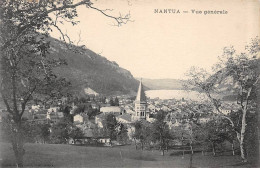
x: 32, y: 132
x: 143, y: 133
x: 111, y: 126
x: 111, y: 102
x: 116, y: 102
x: 122, y: 135
x: 235, y: 73
x: 66, y: 111
x: 60, y: 132
x: 26, y: 69
x: 160, y: 130
x: 63, y: 130
x: 75, y: 132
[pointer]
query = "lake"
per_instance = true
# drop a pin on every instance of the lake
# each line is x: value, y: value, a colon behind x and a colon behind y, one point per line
x: 174, y: 94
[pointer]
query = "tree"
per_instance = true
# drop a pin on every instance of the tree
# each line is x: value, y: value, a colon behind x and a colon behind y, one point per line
x: 122, y: 135
x: 111, y: 126
x: 66, y: 111
x: 60, y: 132
x: 45, y: 132
x: 111, y: 102
x: 92, y: 113
x: 239, y: 74
x: 143, y: 133
x: 75, y: 132
x: 212, y: 133
x: 116, y: 102
x: 26, y: 69
x: 160, y: 130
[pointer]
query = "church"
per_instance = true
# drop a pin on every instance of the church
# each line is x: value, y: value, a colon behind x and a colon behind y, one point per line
x: 141, y: 110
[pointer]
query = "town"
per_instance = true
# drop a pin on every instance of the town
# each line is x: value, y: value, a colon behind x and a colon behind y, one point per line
x: 87, y: 118
x: 158, y: 90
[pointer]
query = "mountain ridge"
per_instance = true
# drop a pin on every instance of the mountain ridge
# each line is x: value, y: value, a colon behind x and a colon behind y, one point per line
x: 87, y: 69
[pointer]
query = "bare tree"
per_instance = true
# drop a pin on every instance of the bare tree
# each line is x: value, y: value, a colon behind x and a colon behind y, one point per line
x: 239, y: 74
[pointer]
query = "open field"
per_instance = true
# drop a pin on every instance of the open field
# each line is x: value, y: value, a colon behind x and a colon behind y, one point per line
x: 53, y: 155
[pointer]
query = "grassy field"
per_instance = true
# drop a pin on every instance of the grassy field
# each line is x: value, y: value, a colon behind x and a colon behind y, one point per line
x: 52, y: 155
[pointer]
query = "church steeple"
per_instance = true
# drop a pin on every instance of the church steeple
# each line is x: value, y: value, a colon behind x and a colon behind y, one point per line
x: 140, y: 103
x: 140, y: 97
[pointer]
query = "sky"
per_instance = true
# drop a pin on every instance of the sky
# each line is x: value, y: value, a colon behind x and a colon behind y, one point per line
x: 159, y: 45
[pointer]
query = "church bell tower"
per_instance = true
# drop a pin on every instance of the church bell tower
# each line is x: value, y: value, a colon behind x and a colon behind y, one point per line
x: 140, y: 104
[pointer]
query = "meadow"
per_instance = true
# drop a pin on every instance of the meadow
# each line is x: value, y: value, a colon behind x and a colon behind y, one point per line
x: 62, y: 155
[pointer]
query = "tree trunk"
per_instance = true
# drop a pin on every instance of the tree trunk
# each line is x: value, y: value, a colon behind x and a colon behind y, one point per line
x: 242, y: 137
x: 135, y: 144
x: 162, y: 152
x: 191, y: 157
x: 162, y: 146
x: 213, y: 149
x: 233, y: 149
x: 17, y: 143
x: 191, y: 149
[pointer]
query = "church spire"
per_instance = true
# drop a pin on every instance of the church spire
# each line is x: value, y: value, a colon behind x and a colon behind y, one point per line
x: 140, y: 97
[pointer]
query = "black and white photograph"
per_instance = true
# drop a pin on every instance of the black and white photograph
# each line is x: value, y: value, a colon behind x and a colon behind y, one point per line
x: 129, y: 83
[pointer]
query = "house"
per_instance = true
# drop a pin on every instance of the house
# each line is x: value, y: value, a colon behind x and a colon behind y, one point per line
x: 35, y: 108
x: 112, y: 109
x: 53, y: 109
x: 78, y: 118
x: 55, y: 116
x: 87, y: 129
x: 126, y: 118
x: 104, y: 140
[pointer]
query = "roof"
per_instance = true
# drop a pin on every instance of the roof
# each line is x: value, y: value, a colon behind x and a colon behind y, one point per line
x: 126, y: 117
x: 112, y: 109
x: 140, y: 97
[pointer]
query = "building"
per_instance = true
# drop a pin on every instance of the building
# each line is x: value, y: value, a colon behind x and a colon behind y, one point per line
x: 140, y: 105
x: 35, y: 108
x: 80, y: 118
x: 113, y: 110
x: 126, y: 118
x: 53, y: 109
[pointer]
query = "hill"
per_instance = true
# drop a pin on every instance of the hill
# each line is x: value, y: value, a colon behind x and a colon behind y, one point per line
x: 87, y: 69
x: 162, y: 84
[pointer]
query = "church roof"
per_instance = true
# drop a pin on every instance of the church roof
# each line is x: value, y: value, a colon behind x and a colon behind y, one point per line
x: 140, y: 97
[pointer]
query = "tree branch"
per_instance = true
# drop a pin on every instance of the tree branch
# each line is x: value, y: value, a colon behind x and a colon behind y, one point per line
x: 120, y: 20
